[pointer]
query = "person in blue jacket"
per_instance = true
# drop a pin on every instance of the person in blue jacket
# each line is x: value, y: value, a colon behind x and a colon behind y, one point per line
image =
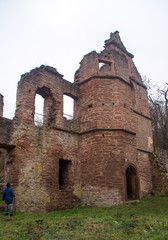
x: 8, y: 196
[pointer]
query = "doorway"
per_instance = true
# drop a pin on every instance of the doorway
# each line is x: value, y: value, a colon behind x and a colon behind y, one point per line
x: 132, y: 184
x: 65, y: 174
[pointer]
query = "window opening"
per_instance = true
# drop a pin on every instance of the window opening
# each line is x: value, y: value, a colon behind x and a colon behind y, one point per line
x: 90, y: 106
x: 68, y: 107
x: 103, y: 65
x: 64, y: 173
x: 39, y: 110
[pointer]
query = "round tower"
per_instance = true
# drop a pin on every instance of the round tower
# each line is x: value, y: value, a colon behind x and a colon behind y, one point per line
x: 113, y: 102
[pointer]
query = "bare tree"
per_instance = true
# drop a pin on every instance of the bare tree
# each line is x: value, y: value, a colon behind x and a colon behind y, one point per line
x: 158, y: 101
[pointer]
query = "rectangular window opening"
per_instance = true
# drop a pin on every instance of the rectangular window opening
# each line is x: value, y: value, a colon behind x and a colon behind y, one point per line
x: 90, y: 106
x: 39, y: 110
x: 68, y: 107
x: 104, y: 66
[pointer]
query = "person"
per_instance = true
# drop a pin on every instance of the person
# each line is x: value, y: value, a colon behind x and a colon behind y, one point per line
x: 8, y: 196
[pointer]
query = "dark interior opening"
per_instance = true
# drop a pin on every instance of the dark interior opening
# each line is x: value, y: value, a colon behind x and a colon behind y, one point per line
x: 132, y: 93
x: 64, y: 173
x: 90, y: 106
x: 131, y: 183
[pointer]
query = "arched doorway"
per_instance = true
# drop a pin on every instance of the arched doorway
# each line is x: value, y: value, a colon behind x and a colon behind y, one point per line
x: 132, y: 183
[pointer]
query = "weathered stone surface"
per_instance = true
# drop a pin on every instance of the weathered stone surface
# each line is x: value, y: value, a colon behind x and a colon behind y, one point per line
x: 101, y: 156
x: 1, y: 105
x: 159, y: 171
x: 6, y: 127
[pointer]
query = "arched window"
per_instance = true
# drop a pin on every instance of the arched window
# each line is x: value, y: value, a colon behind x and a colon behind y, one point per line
x: 45, y: 107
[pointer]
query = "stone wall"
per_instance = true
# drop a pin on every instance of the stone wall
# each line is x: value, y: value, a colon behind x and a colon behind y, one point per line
x: 2, y: 166
x: 36, y: 168
x: 1, y: 105
x: 6, y: 128
x: 159, y: 169
x: 39, y: 150
x: 48, y: 83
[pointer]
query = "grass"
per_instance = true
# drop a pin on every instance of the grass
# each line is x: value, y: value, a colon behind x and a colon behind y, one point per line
x: 145, y: 220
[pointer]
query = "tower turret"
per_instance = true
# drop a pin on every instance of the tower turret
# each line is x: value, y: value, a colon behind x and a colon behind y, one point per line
x: 113, y: 104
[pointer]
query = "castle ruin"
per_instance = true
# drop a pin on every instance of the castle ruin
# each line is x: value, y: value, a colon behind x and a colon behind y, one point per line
x: 98, y: 158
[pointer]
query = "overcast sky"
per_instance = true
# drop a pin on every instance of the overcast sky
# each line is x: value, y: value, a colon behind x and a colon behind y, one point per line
x: 59, y: 32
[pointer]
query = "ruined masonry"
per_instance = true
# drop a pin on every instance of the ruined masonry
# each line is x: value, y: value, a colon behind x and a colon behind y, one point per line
x: 98, y: 158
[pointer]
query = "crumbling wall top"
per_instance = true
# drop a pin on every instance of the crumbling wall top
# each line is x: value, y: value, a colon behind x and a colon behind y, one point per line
x: 115, y: 40
x: 42, y: 68
x: 113, y: 61
x: 50, y: 85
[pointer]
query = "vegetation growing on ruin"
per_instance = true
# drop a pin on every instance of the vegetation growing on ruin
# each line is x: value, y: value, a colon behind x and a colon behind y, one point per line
x: 145, y: 220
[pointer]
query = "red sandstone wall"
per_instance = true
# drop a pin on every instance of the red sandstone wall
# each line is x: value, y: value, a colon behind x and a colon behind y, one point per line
x: 118, y: 105
x: 106, y: 103
x: 51, y: 86
x: 144, y: 134
x: 102, y: 161
x: 35, y: 163
x: 36, y: 168
x: 141, y: 101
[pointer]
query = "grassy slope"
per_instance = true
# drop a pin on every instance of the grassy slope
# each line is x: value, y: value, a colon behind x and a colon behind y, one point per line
x: 145, y: 220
